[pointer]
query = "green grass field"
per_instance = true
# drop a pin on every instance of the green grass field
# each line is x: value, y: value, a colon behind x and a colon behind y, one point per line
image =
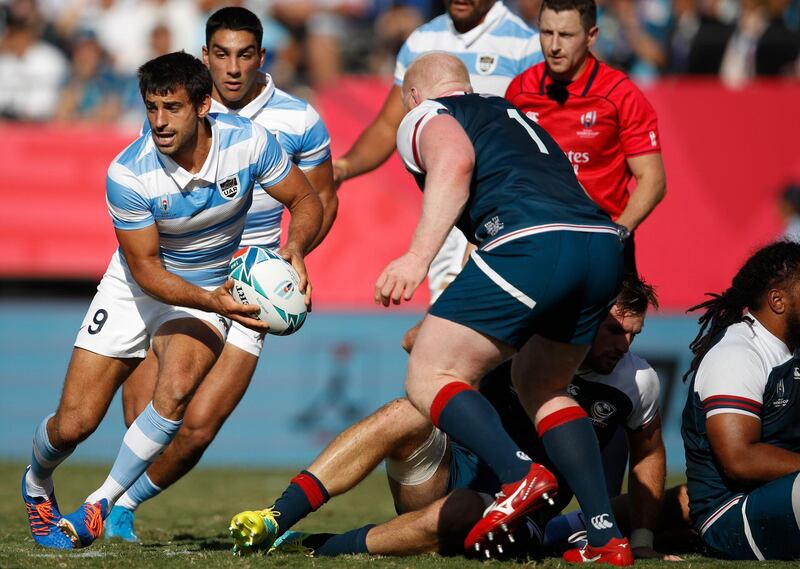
x: 187, y: 526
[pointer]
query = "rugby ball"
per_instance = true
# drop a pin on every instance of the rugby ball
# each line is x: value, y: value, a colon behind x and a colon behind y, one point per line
x: 264, y: 278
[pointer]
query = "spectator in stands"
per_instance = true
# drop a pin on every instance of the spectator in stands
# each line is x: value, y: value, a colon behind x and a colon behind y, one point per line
x: 91, y: 93
x: 739, y: 61
x: 710, y: 39
x: 318, y: 28
x: 633, y: 35
x: 528, y: 10
x: 779, y: 46
x: 31, y: 70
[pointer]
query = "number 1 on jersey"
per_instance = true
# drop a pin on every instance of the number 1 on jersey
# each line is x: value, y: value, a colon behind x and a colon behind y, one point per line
x: 514, y: 114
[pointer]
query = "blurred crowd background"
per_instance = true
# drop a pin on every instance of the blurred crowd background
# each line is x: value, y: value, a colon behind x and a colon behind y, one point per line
x: 76, y: 60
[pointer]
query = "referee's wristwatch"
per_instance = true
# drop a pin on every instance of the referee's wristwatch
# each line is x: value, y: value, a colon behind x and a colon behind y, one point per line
x: 623, y: 232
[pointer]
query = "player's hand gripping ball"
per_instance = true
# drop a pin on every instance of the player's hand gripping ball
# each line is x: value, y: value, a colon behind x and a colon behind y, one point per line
x: 265, y: 279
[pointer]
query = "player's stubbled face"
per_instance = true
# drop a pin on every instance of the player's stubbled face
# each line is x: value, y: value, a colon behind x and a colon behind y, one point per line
x: 173, y: 120
x: 467, y: 14
x: 233, y: 58
x: 565, y: 43
x: 613, y: 340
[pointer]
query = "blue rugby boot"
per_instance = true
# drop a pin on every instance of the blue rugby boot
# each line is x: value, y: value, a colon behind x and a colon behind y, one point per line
x: 85, y: 524
x: 120, y: 524
x: 292, y: 542
x: 43, y: 516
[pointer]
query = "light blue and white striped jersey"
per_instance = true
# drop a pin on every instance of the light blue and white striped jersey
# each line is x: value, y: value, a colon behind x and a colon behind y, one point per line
x: 496, y: 51
x: 301, y: 132
x: 199, y: 217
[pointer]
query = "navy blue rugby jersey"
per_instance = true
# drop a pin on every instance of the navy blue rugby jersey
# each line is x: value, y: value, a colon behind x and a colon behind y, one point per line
x: 748, y: 372
x: 522, y: 183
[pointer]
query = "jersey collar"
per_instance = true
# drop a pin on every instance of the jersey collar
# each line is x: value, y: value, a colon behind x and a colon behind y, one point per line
x: 251, y: 108
x: 495, y: 14
x: 582, y: 84
x: 761, y: 331
x: 208, y: 173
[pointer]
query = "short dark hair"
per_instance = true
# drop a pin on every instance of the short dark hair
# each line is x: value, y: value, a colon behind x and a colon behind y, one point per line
x: 586, y: 8
x: 167, y: 73
x: 635, y: 295
x: 236, y: 19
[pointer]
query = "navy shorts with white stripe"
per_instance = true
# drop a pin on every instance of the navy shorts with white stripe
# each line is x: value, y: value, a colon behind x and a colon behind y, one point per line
x: 558, y: 283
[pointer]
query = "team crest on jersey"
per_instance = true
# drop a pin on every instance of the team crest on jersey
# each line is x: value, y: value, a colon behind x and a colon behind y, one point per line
x: 163, y: 203
x: 229, y: 187
x: 572, y: 390
x: 602, y: 411
x: 486, y: 63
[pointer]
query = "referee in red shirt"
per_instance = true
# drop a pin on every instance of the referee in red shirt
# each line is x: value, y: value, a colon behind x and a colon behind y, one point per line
x: 601, y: 120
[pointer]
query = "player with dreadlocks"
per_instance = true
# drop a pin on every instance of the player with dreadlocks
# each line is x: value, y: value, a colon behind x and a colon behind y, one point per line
x: 741, y: 423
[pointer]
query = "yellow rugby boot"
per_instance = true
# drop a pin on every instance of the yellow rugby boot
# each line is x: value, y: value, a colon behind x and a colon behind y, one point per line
x: 254, y: 530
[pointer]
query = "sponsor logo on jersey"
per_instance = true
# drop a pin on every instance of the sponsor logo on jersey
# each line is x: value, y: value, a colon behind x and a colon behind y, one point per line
x: 229, y: 187
x: 653, y: 140
x: 493, y: 226
x: 522, y: 456
x: 601, y: 522
x: 573, y: 389
x: 486, y: 63
x: 602, y: 411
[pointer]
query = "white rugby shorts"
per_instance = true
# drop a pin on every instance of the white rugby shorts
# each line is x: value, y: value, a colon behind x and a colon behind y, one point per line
x: 246, y: 339
x: 122, y: 318
x: 447, y: 263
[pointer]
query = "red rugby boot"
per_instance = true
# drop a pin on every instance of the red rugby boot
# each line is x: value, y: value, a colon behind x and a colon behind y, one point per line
x: 616, y: 552
x: 513, y: 501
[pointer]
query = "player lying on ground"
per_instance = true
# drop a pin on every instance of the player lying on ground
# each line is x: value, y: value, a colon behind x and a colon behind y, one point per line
x: 177, y: 196
x: 741, y: 423
x: 233, y: 56
x: 620, y: 390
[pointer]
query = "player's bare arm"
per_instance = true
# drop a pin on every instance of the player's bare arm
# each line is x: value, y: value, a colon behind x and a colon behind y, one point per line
x: 448, y: 158
x: 321, y: 179
x: 142, y: 252
x: 646, y: 486
x: 734, y: 436
x: 651, y: 187
x: 375, y: 144
x: 305, y: 207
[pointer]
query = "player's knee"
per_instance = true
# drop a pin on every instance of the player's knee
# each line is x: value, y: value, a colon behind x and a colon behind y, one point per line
x: 172, y: 398
x: 74, y: 428
x: 400, y: 421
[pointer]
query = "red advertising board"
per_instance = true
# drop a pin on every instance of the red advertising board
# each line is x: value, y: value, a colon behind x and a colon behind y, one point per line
x: 727, y: 154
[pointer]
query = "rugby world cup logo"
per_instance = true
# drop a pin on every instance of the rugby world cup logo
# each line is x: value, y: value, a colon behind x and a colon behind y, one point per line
x: 588, y: 120
x: 285, y: 289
